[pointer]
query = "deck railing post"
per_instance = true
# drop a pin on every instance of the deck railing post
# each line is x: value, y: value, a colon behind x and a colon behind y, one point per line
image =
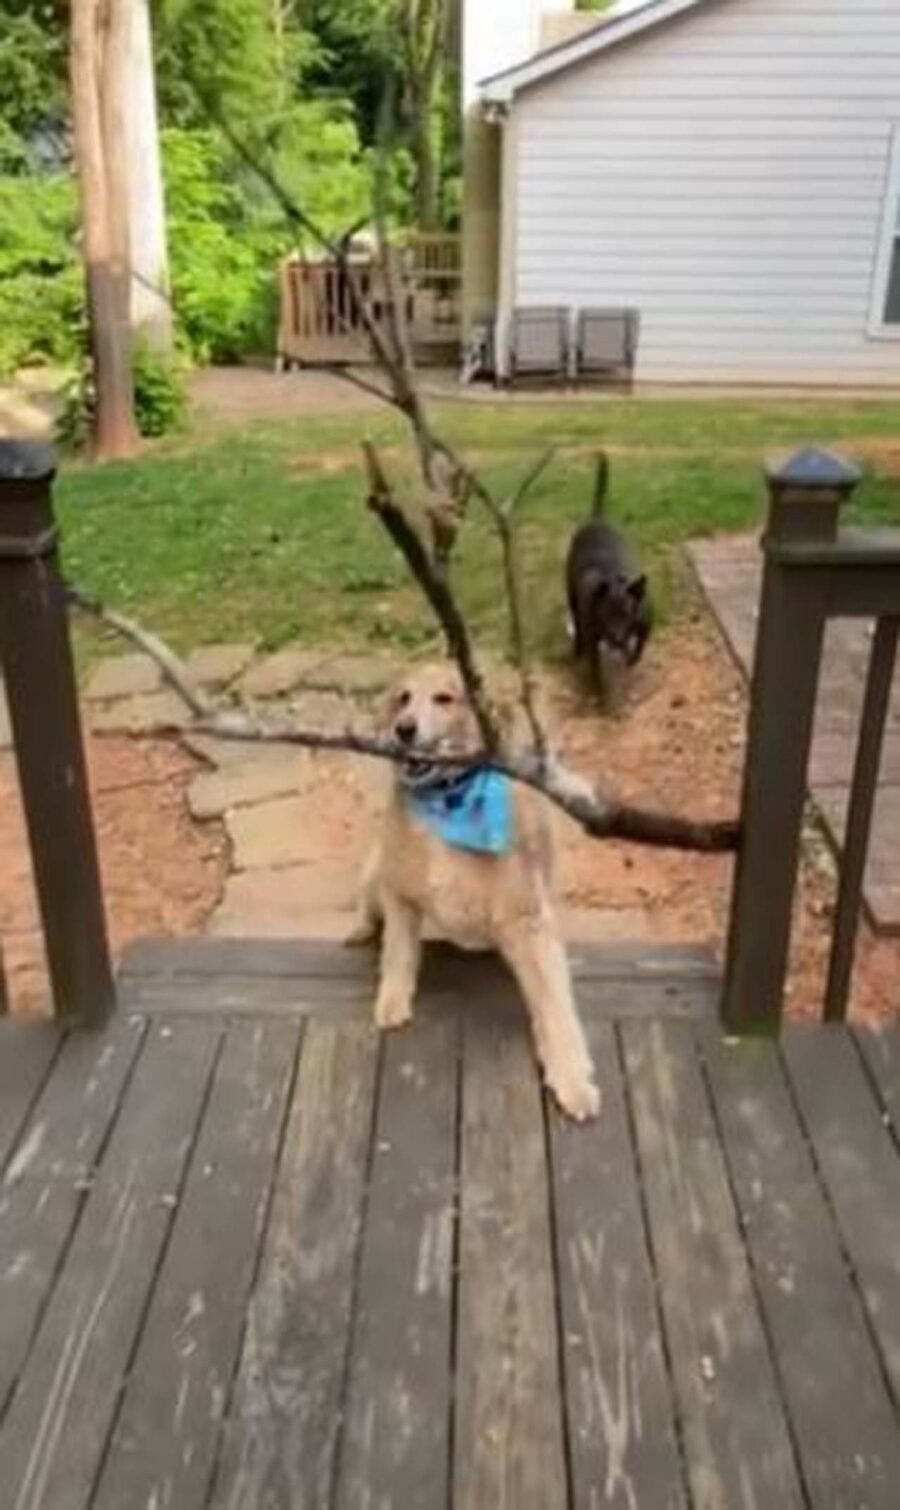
x: 36, y: 657
x: 806, y: 496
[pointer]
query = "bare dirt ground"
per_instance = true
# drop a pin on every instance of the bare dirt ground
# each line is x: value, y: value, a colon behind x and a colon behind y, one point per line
x: 162, y: 873
x: 676, y: 742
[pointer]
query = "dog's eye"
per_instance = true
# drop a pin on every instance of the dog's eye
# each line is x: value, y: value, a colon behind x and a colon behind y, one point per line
x: 404, y: 699
x: 444, y: 699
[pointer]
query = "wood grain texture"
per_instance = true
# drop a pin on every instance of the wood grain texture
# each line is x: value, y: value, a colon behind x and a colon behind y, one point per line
x: 163, y: 1448
x: 620, y: 1400
x: 47, y: 1181
x: 395, y: 1449
x: 509, y: 1447
x: 173, y: 959
x: 54, y: 1434
x: 736, y: 1437
x: 847, y: 1437
x: 282, y: 1431
x: 881, y: 1052
x: 27, y: 1050
x: 340, y: 997
x: 860, y: 1168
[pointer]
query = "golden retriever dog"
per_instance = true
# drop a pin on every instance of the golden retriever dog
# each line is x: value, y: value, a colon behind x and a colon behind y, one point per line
x: 475, y: 897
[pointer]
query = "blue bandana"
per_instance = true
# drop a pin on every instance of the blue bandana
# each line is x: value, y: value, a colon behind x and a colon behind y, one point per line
x: 472, y: 812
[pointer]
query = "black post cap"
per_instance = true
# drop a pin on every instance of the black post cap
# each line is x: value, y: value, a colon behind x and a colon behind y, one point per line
x: 814, y: 469
x: 26, y: 461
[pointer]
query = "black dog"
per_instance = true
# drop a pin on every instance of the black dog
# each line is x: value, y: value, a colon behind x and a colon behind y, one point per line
x: 607, y: 596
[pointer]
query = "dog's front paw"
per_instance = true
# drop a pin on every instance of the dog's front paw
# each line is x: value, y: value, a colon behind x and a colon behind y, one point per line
x: 366, y: 931
x: 576, y: 1095
x: 392, y: 1010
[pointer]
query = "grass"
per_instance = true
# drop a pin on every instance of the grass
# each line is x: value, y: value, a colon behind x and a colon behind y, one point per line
x: 261, y: 533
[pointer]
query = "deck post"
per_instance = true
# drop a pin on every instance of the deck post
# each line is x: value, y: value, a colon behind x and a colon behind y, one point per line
x: 36, y: 657
x: 805, y: 499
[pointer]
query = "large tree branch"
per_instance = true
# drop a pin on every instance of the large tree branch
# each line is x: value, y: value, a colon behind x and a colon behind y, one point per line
x: 437, y: 591
x: 597, y: 815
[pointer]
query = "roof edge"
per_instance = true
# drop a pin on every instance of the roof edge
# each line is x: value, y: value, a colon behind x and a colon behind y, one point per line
x: 501, y: 88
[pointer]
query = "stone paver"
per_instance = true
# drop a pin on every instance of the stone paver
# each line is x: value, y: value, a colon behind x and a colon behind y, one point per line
x: 272, y: 834
x: 123, y: 676
x: 363, y: 675
x: 139, y: 715
x: 327, y: 711
x: 276, y: 675
x: 295, y: 901
x: 235, y: 754
x: 215, y: 666
x: 212, y: 794
x: 730, y: 573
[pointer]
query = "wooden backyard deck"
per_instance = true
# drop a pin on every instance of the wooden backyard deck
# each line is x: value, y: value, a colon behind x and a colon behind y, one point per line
x: 251, y: 1257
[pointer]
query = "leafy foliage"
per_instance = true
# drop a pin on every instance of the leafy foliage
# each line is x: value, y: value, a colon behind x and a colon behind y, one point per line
x: 300, y: 80
x: 41, y: 283
x: 225, y: 237
x: 160, y: 398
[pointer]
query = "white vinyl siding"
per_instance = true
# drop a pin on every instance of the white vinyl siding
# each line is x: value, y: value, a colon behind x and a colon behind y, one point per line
x: 885, y: 314
x: 725, y: 175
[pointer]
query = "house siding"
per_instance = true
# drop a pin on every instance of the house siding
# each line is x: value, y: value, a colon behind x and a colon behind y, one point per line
x: 725, y: 175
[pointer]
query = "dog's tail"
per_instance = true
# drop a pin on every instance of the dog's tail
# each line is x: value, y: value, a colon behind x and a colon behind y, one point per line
x: 601, y: 485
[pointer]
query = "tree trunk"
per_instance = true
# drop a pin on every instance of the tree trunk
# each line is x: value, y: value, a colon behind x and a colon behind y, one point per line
x: 150, y: 310
x: 425, y: 156
x: 102, y: 176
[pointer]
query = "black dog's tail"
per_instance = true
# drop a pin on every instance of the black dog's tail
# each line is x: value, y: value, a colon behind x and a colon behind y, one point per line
x: 601, y: 485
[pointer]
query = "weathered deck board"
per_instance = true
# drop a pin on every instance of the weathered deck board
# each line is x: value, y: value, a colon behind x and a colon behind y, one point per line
x: 620, y: 1403
x: 27, y: 1051
x: 509, y: 1424
x: 172, y: 960
x: 881, y: 1054
x: 254, y: 1259
x: 163, y: 1449
x: 53, y: 1437
x: 396, y: 1435
x: 46, y: 1184
x: 860, y: 1168
x: 282, y: 1433
x: 348, y: 998
x: 850, y: 1456
x: 736, y: 1436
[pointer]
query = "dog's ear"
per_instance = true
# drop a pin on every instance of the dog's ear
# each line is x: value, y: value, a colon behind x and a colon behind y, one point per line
x: 638, y: 589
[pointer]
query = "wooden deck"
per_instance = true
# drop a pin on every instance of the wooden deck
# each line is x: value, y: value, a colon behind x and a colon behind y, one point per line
x: 253, y: 1258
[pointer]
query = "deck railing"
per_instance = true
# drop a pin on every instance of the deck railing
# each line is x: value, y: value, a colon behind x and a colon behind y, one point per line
x: 36, y: 658
x: 813, y: 571
x: 320, y: 325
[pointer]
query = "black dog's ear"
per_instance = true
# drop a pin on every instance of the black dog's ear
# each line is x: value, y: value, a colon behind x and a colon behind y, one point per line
x: 638, y: 589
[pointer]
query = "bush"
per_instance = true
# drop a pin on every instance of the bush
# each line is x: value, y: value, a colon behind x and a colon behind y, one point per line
x: 41, y: 282
x: 160, y: 391
x: 227, y: 237
x: 160, y: 397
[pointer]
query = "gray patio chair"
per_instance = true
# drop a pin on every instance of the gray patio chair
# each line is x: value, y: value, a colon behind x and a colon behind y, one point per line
x: 606, y: 341
x: 539, y: 342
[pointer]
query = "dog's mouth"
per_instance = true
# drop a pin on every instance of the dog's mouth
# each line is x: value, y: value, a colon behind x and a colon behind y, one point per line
x: 420, y: 769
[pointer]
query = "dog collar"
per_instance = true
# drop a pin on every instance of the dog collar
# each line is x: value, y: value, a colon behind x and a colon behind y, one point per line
x: 471, y: 811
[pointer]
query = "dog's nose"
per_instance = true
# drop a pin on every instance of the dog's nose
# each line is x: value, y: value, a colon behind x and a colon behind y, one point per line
x: 405, y: 730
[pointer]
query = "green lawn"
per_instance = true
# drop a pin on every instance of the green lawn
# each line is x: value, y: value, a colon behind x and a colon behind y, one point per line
x: 261, y: 532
